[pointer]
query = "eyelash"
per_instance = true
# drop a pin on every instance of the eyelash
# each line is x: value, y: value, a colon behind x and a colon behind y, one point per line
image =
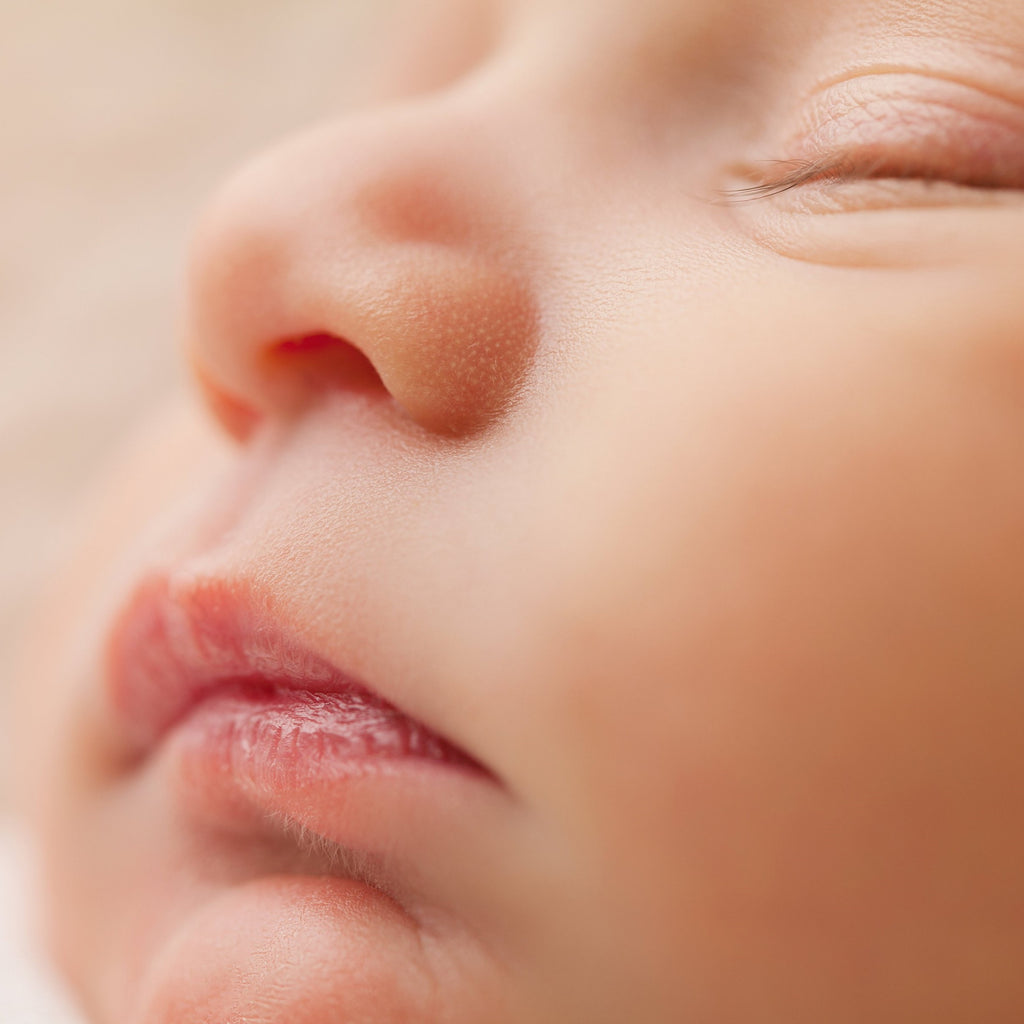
x: 800, y: 172
x: 840, y: 169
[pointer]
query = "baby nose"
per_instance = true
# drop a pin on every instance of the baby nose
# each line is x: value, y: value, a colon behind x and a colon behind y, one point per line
x: 381, y: 255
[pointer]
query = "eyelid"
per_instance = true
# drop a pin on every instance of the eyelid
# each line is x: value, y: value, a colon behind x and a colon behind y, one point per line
x: 899, y: 125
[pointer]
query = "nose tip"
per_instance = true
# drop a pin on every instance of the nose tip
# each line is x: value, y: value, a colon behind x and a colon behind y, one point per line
x: 378, y: 256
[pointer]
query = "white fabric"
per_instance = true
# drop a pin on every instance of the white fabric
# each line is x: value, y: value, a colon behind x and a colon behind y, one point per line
x: 30, y: 993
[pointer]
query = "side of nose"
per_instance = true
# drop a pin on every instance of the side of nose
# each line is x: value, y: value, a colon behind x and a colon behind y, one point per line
x: 382, y: 254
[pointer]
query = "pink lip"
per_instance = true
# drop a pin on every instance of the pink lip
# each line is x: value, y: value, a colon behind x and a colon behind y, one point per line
x: 254, y: 757
x: 176, y: 650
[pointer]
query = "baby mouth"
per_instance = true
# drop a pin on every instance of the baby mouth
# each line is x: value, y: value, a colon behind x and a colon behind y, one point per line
x: 202, y: 658
x: 248, y: 768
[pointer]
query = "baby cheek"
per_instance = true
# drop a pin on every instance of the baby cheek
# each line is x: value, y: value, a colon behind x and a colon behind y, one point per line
x: 803, y: 818
x: 789, y: 706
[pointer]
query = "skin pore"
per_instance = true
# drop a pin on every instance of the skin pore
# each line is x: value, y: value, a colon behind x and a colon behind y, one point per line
x: 632, y: 396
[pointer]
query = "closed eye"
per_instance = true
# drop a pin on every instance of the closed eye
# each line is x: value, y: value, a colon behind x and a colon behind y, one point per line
x: 899, y: 128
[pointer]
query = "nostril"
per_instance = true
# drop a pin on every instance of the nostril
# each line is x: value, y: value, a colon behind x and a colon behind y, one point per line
x: 289, y: 374
x: 323, y: 362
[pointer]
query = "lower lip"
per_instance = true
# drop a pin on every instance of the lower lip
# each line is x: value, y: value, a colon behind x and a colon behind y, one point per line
x: 289, y: 737
x: 273, y: 791
x: 342, y: 766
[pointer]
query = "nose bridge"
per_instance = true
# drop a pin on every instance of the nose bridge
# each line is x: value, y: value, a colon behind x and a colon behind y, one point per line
x: 397, y: 233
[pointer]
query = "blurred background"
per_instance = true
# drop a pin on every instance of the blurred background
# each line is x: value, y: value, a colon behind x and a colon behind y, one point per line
x: 119, y: 117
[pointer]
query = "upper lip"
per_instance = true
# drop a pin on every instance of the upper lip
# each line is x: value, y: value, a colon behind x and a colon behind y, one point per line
x: 176, y: 643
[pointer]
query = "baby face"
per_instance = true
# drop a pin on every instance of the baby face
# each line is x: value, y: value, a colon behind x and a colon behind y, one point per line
x: 597, y: 596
